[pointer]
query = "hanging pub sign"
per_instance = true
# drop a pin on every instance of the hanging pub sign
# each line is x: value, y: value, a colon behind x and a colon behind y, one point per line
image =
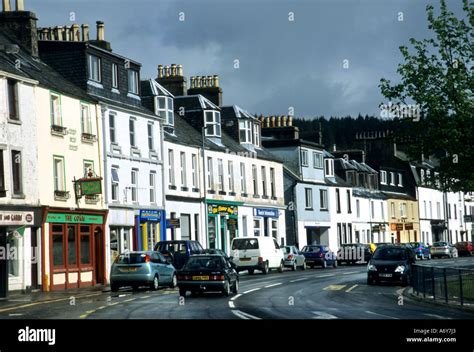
x: 88, y: 186
x: 222, y: 209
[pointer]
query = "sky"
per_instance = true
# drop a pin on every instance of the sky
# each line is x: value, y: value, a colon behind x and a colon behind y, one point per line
x: 311, y: 57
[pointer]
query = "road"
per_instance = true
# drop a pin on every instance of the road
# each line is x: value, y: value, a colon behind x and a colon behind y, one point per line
x: 340, y: 293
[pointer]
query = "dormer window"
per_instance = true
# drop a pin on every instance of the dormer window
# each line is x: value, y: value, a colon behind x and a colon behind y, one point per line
x: 245, y: 131
x: 422, y: 176
x: 94, y: 68
x: 133, y: 81
x: 213, y: 123
x: 383, y: 177
x: 329, y: 167
x: 165, y: 109
x: 256, y: 134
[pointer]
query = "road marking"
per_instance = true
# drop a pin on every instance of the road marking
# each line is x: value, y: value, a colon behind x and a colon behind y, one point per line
x: 119, y: 296
x: 15, y: 314
x: 252, y: 290
x: 323, y: 315
x: 381, y: 315
x: 101, y: 307
x: 235, y: 297
x: 350, y: 272
x: 334, y: 287
x: 436, y: 316
x: 231, y: 304
x: 327, y: 275
x: 129, y: 300
x: 113, y: 304
x: 83, y: 316
x: 303, y: 278
x: 145, y: 297
x: 351, y: 288
x: 273, y: 285
x: 243, y: 315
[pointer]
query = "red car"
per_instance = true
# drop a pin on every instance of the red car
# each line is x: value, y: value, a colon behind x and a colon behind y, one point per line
x: 465, y: 248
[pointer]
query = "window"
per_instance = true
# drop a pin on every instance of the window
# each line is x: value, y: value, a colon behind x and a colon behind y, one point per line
x: 210, y: 173
x: 244, y: 225
x: 358, y: 208
x: 304, y: 157
x: 133, y: 187
x: 323, y: 199
x: 171, y: 167
x: 71, y: 246
x: 274, y: 228
x: 13, y: 100
x: 272, y: 182
x: 133, y: 81
x: 86, y: 122
x: 383, y: 177
x: 165, y: 109
x: 194, y: 170
x: 17, y: 172
x: 338, y: 201
x: 424, y: 209
x: 59, y: 173
x: 256, y: 134
x: 392, y: 209
x: 151, y: 142
x: 213, y: 123
x: 400, y: 180
x: 431, y: 211
x: 132, y: 132
x: 2, y: 171
x: 245, y: 131
x: 182, y: 161
x: 455, y: 212
x: 85, y: 248
x: 112, y: 128
x: 329, y: 167
x: 412, y: 210
x: 392, y: 178
x: 95, y: 69
x: 438, y: 209
x: 349, y: 208
x: 115, y: 184
x: 382, y: 210
x: 114, y: 76
x: 422, y: 176
x: 264, y: 181
x: 55, y: 103
x: 372, y: 209
x: 243, y: 180
x: 317, y: 160
x: 403, y: 210
x: 220, y: 171
x: 230, y: 170
x: 152, y: 187
x: 88, y: 168
x: 308, y: 198
x: 255, y: 180
x: 58, y: 245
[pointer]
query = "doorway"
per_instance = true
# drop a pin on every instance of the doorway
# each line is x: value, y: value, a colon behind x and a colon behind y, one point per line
x: 35, y: 258
x: 223, y: 234
x: 98, y: 256
x: 313, y: 235
x: 3, y: 265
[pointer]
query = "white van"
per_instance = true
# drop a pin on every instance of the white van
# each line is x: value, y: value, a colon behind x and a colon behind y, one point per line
x: 257, y: 253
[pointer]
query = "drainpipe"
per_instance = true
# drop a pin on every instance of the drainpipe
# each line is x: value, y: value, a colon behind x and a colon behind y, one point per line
x: 295, y: 215
x: 162, y: 156
x: 103, y: 109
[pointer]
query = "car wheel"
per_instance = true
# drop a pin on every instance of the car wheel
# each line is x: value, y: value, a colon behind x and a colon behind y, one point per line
x: 250, y: 271
x: 155, y: 284
x: 294, y: 266
x: 280, y: 268
x: 370, y: 281
x: 265, y: 268
x: 324, y: 265
x: 226, y: 290
x: 335, y: 264
x: 114, y: 288
x: 174, y: 281
x: 235, y: 288
x: 303, y: 266
x: 182, y: 292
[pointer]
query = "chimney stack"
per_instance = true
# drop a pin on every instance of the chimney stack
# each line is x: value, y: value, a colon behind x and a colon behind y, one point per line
x: 20, y: 5
x: 85, y: 32
x: 100, y: 30
x: 172, y: 78
x: 208, y: 86
x: 6, y: 6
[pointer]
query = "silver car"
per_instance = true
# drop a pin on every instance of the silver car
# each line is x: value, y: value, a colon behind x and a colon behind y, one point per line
x: 443, y: 249
x: 293, y: 258
x: 142, y: 269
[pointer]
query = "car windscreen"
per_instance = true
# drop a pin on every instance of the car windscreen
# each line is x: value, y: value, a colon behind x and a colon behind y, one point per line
x: 440, y: 244
x: 204, y: 263
x: 172, y: 247
x: 387, y: 253
x: 245, y: 244
x: 311, y: 249
x: 131, y: 258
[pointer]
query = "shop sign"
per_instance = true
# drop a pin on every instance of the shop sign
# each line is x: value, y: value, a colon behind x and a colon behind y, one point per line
x: 396, y: 227
x: 75, y: 218
x: 88, y: 186
x: 268, y: 213
x: 409, y: 226
x: 16, y: 218
x: 172, y: 223
x: 150, y: 215
x: 222, y: 209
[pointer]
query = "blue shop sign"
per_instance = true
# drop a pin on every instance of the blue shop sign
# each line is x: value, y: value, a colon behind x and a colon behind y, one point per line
x: 150, y: 215
x: 268, y: 213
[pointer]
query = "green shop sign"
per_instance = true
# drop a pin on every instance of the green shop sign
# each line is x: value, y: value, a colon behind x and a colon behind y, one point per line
x: 88, y: 186
x: 75, y: 218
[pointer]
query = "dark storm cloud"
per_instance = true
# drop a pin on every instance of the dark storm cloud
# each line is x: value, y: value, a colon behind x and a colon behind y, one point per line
x: 283, y: 64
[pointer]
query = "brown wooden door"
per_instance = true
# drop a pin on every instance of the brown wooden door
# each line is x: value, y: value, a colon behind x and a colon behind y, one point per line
x: 98, y: 256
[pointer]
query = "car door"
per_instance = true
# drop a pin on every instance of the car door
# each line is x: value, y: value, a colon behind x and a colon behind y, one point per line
x: 162, y: 267
x: 278, y: 254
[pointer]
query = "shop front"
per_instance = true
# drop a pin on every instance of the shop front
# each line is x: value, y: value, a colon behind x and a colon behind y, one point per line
x: 74, y: 245
x: 222, y: 224
x: 150, y: 227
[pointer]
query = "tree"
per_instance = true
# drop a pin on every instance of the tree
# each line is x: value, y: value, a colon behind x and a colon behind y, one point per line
x: 437, y: 83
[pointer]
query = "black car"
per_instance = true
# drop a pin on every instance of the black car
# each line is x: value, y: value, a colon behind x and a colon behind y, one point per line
x: 391, y: 263
x: 352, y: 253
x: 179, y: 251
x: 208, y: 273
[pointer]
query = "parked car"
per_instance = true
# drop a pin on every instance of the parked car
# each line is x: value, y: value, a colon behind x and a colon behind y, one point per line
x: 421, y: 250
x: 147, y: 268
x: 443, y: 249
x: 391, y: 263
x: 319, y: 255
x: 465, y: 248
x: 352, y: 253
x: 373, y: 246
x: 208, y: 273
x: 293, y: 258
x: 257, y: 253
x: 179, y: 251
x: 216, y: 251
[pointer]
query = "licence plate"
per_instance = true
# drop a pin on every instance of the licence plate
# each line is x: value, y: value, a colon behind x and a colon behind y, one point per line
x: 245, y: 259
x: 200, y: 278
x: 385, y: 275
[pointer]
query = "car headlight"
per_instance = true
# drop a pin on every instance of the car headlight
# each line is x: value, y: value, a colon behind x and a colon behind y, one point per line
x: 400, y: 269
x: 371, y: 267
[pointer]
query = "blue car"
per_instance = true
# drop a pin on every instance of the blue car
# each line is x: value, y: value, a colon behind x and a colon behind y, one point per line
x: 319, y: 255
x: 179, y: 251
x: 422, y: 251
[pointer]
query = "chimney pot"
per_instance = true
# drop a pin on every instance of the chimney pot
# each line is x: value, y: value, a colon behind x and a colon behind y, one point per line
x: 160, y: 71
x: 167, y: 71
x: 58, y: 33
x: 6, y: 5
x: 173, y: 70
x: 273, y: 121
x: 20, y: 5
x: 100, y: 30
x: 198, y: 81
x: 76, y: 36
x: 210, y: 81
x: 290, y: 121
x: 193, y: 82
x: 180, y: 70
x: 216, y: 81
x: 65, y: 33
x: 85, y: 32
x: 285, y: 118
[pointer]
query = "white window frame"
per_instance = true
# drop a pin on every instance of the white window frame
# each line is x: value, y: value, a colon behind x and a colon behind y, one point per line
x: 93, y: 75
x: 182, y: 162
x: 392, y: 178
x: 383, y: 177
x: 329, y: 167
x: 323, y: 199
x: 264, y: 181
x: 213, y: 126
x: 304, y: 157
x: 245, y: 131
x: 165, y: 109
x: 115, y: 184
x: 317, y: 160
x: 255, y: 180
x: 256, y: 134
x: 210, y: 173
x: 243, y: 179
x: 151, y: 136
x: 56, y: 113
x: 257, y: 229
x: 220, y: 174
x: 134, y: 185
x: 171, y: 180
x: 400, y: 179
x: 194, y: 170
x: 112, y: 134
x: 272, y: 183
x: 59, y: 176
x: 357, y: 208
x: 86, y: 121
x: 152, y: 187
x: 230, y: 170
x: 133, y: 81
x: 308, y: 198
x: 115, y: 76
x: 132, y: 131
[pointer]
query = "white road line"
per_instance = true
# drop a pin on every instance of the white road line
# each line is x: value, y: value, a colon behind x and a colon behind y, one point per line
x: 252, y: 290
x: 436, y: 316
x: 273, y: 285
x: 129, y: 300
x: 350, y: 272
x: 381, y: 315
x: 235, y: 297
x: 323, y: 315
x: 303, y: 278
x: 15, y: 314
x: 231, y: 305
x: 327, y: 275
x: 243, y: 315
x: 351, y: 288
x: 145, y: 297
